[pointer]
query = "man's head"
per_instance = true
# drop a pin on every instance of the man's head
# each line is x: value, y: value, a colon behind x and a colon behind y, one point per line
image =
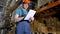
x: 26, y: 4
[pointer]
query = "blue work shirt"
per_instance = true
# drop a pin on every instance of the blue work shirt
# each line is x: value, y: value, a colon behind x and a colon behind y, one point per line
x: 21, y: 12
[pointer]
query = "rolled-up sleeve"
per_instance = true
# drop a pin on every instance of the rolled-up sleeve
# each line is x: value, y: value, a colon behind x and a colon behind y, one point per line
x: 18, y: 11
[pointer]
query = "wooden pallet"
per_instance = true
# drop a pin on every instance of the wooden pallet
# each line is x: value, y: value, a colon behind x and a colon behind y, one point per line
x: 44, y: 33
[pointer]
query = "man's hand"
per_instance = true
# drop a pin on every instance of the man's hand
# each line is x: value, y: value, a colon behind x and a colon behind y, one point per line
x: 32, y: 19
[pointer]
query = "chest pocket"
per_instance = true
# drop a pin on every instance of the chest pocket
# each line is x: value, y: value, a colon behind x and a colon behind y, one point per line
x: 24, y: 13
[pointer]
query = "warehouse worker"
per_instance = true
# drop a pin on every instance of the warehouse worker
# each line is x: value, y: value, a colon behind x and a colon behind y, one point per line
x: 22, y: 26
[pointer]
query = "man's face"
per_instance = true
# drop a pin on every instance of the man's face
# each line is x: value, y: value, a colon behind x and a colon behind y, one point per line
x: 25, y: 6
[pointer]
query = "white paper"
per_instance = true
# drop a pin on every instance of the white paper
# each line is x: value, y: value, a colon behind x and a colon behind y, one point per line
x: 31, y: 13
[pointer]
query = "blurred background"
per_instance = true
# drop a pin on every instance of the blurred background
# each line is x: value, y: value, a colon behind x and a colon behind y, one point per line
x: 47, y: 17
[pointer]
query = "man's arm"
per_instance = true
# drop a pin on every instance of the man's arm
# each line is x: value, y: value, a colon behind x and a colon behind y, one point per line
x: 17, y: 18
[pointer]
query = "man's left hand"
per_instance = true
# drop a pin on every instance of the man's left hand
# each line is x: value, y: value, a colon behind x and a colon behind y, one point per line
x: 32, y: 19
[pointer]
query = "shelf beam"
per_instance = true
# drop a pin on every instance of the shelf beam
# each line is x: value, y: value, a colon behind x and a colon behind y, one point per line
x: 49, y: 14
x: 48, y: 6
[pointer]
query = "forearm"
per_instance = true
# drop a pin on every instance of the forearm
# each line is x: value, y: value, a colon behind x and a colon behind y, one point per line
x: 19, y: 19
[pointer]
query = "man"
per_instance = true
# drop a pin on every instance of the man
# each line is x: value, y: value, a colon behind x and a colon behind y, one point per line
x: 22, y: 26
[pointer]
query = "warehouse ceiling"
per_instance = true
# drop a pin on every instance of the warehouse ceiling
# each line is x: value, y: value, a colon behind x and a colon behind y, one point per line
x: 42, y: 4
x: 49, y: 9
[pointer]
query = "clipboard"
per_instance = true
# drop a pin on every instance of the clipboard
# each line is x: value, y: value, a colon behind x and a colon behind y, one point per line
x: 31, y: 13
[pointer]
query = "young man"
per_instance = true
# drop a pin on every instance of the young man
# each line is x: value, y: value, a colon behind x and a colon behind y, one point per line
x: 22, y: 26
